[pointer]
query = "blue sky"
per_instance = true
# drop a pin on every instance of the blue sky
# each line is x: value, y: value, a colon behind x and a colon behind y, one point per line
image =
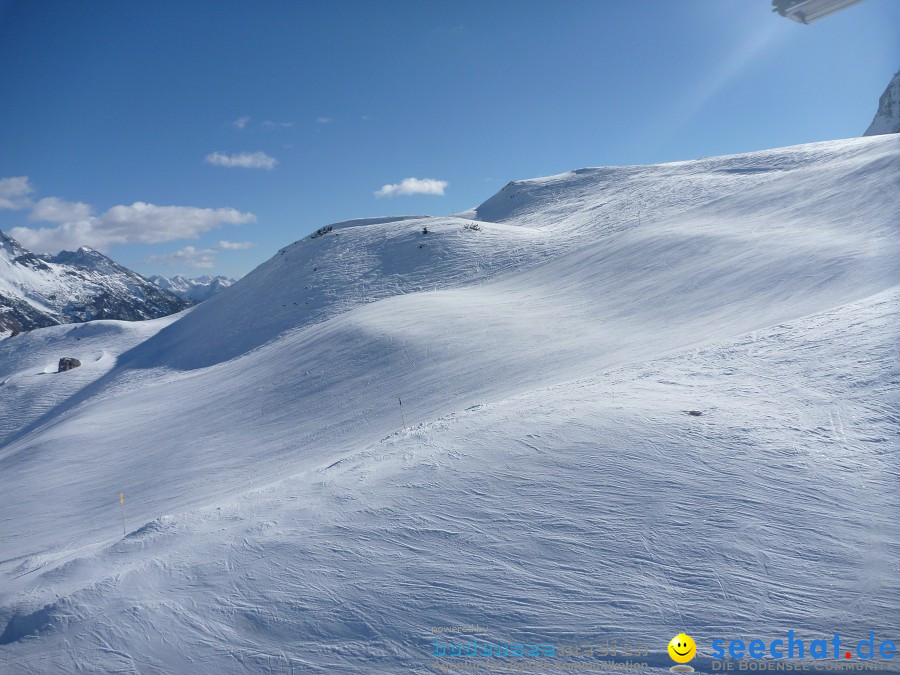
x: 199, y: 137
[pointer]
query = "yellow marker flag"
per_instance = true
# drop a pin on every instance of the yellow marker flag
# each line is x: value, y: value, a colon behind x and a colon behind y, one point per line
x: 122, y: 504
x: 122, y: 497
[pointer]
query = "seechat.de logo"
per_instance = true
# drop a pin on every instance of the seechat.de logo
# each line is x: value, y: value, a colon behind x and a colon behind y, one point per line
x: 794, y: 647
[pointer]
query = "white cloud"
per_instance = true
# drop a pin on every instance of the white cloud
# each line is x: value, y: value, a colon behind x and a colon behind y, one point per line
x: 235, y: 245
x: 197, y: 258
x: 14, y: 192
x: 244, y: 160
x: 149, y: 224
x: 324, y: 120
x: 281, y: 125
x: 68, y: 236
x: 56, y: 210
x: 413, y: 186
x: 140, y: 223
x: 241, y: 122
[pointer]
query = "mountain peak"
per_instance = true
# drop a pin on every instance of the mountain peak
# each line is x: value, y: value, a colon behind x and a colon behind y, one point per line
x: 86, y: 257
x: 10, y: 245
x: 73, y: 286
x: 887, y: 118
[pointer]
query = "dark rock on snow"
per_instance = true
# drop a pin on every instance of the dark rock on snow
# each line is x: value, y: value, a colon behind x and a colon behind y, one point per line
x: 67, y: 363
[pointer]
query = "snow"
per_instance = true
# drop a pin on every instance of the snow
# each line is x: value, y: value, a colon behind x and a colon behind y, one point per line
x: 26, y: 391
x: 551, y: 485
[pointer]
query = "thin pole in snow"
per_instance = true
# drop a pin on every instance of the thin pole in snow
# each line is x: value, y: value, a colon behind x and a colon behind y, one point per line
x: 122, y: 504
x: 401, y: 412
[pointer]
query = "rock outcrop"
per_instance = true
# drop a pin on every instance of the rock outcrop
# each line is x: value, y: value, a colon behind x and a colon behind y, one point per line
x: 887, y: 119
x: 67, y: 363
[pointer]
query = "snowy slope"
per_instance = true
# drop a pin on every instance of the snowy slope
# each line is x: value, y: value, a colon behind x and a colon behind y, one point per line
x: 29, y: 383
x: 823, y: 199
x: 887, y: 117
x: 551, y: 487
x: 196, y: 289
x: 73, y: 286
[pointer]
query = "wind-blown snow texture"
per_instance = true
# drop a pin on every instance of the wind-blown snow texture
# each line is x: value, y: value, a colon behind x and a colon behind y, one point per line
x: 887, y: 117
x: 551, y: 487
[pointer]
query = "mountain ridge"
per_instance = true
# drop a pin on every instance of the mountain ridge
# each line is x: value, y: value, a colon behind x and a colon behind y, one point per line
x: 526, y: 223
x: 40, y: 290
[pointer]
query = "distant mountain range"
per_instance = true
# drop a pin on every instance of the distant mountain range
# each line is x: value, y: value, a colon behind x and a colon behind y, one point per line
x: 887, y: 118
x: 38, y: 290
x: 196, y: 289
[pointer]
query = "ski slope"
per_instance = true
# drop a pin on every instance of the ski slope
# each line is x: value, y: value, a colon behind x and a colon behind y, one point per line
x: 551, y: 486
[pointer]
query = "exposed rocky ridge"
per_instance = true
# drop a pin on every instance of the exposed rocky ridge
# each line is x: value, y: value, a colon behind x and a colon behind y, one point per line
x: 887, y: 118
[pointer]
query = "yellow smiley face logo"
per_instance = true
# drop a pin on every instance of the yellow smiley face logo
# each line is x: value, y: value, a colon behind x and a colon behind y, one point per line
x: 682, y: 648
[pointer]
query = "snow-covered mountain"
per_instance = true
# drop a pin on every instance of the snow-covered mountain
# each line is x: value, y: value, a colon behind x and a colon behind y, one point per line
x: 887, y: 118
x: 73, y: 286
x: 635, y: 400
x: 196, y: 289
